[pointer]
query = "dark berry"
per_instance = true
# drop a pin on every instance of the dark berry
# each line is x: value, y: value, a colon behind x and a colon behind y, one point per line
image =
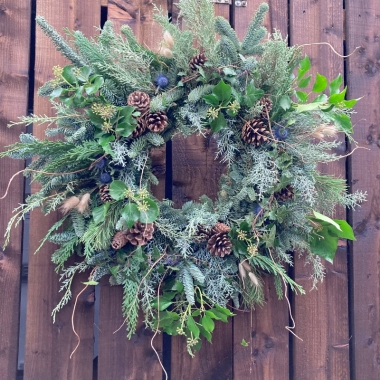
x: 280, y: 133
x: 162, y: 81
x: 257, y: 208
x: 101, y: 164
x: 172, y: 261
x: 105, y: 178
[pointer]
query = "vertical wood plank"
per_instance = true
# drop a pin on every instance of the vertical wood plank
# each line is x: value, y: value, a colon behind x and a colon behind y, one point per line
x: 267, y: 356
x: 120, y: 358
x: 322, y: 315
x: 363, y: 27
x: 196, y: 172
x: 48, y: 345
x: 15, y: 19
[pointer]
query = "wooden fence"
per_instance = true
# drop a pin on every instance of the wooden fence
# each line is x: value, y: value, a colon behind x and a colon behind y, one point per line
x: 339, y: 324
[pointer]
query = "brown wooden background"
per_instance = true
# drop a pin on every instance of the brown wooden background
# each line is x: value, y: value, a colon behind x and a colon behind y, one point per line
x: 339, y: 324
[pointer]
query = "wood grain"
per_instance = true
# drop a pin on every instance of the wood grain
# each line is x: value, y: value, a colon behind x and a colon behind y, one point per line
x: 48, y: 345
x: 138, y: 358
x: 267, y: 356
x: 15, y: 19
x: 322, y: 315
x: 363, y: 78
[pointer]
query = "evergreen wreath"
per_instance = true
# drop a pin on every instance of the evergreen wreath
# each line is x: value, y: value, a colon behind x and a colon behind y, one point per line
x: 118, y: 100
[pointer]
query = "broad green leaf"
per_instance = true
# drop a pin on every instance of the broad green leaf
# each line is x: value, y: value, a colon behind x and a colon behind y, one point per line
x: 337, y: 98
x: 302, y: 96
x: 151, y: 214
x: 104, y: 142
x: 335, y: 85
x: 252, y: 95
x: 343, y: 121
x: 218, y: 315
x: 304, y: 82
x: 285, y: 102
x: 196, y: 313
x: 118, y: 189
x: 205, y: 333
x: 56, y: 92
x: 130, y: 214
x: 244, y: 343
x: 218, y: 123
x: 346, y: 230
x: 192, y: 326
x: 328, y: 109
x: 320, y: 83
x: 211, y: 99
x: 321, y: 98
x: 95, y: 119
x: 99, y: 213
x: 304, y: 67
x: 224, y: 310
x: 222, y: 92
x: 350, y: 103
x: 207, y: 323
x: 161, y: 303
x: 172, y: 329
x: 84, y: 73
x: 125, y: 129
x: 325, y: 218
x: 308, y: 107
x: 68, y: 75
x: 94, y: 87
x: 324, y: 243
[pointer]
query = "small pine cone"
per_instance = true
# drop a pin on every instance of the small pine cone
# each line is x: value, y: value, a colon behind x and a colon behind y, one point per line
x: 119, y: 240
x: 104, y: 194
x: 140, y: 233
x: 267, y: 106
x: 220, y: 228
x: 197, y: 60
x: 203, y: 234
x: 140, y: 129
x: 219, y: 244
x: 285, y: 194
x: 255, y: 132
x: 157, y: 122
x: 140, y: 100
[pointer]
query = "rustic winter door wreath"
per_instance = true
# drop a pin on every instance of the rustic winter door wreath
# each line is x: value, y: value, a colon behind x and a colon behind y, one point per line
x: 117, y: 100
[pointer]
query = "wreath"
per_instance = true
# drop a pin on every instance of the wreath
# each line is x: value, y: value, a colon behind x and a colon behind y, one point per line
x: 118, y: 100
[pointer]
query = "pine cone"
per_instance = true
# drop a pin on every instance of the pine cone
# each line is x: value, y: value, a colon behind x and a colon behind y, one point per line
x: 220, y: 228
x: 285, y: 194
x: 203, y: 234
x: 140, y: 233
x: 140, y: 129
x: 197, y: 60
x: 267, y: 106
x: 157, y: 121
x: 104, y: 194
x: 119, y: 240
x: 255, y: 132
x: 219, y: 244
x: 140, y: 100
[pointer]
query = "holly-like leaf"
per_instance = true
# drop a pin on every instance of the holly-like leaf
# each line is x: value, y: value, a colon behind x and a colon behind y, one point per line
x: 320, y: 83
x: 130, y: 214
x: 117, y: 190
x: 104, y: 142
x: 222, y: 92
x: 218, y: 123
x: 151, y: 214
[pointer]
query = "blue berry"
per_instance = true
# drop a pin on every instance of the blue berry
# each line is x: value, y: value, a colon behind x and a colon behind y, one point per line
x: 257, y: 208
x: 162, y: 81
x: 280, y: 133
x: 105, y: 178
x: 101, y: 164
x: 172, y: 261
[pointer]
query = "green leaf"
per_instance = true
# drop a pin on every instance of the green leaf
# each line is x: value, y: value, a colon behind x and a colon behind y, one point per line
x: 90, y: 283
x: 304, y: 82
x: 207, y: 323
x: 84, y: 73
x: 320, y: 83
x: 212, y: 100
x: 125, y: 129
x: 94, y: 87
x: 104, y: 142
x: 218, y: 123
x: 343, y: 121
x: 349, y: 103
x: 324, y: 243
x: 222, y: 92
x: 219, y: 315
x: 337, y: 98
x: 68, y: 74
x: 99, y: 213
x: 302, y: 96
x: 304, y: 67
x: 192, y: 326
x: 244, y: 343
x: 308, y: 107
x: 56, y: 92
x: 321, y: 98
x: 117, y: 190
x: 285, y: 102
x: 335, y: 85
x: 224, y: 310
x: 161, y: 303
x: 205, y: 333
x: 130, y: 214
x: 326, y: 219
x: 346, y: 230
x: 252, y: 95
x: 151, y: 214
x: 95, y: 119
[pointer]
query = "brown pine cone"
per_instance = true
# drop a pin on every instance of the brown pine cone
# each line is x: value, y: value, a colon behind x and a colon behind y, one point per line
x: 255, y: 132
x: 197, y: 60
x: 119, y: 240
x: 140, y: 100
x: 267, y: 106
x: 104, y: 194
x: 140, y: 233
x: 219, y: 244
x: 140, y: 129
x: 220, y: 228
x: 203, y: 234
x: 285, y: 194
x: 157, y: 122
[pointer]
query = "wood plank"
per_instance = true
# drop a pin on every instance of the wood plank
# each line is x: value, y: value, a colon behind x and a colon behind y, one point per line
x: 362, y: 28
x: 48, y: 346
x: 264, y: 328
x: 196, y: 172
x: 322, y: 315
x: 138, y: 358
x: 15, y: 17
